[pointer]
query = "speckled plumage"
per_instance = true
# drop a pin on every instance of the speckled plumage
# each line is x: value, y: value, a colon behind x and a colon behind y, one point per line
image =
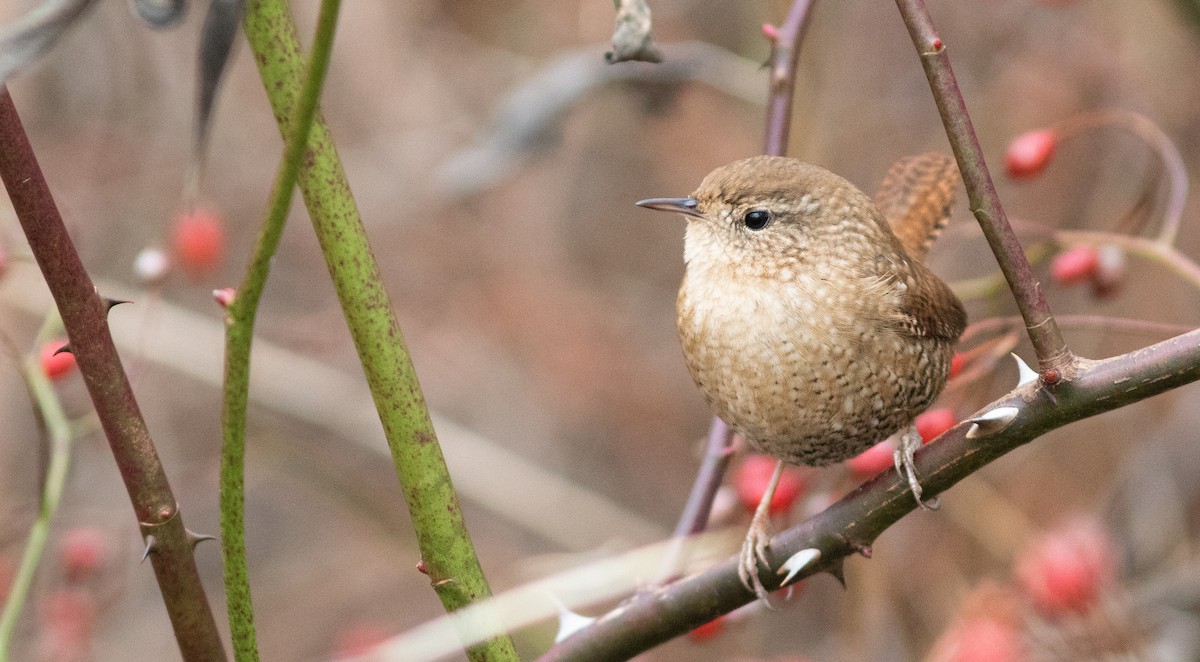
x: 820, y: 334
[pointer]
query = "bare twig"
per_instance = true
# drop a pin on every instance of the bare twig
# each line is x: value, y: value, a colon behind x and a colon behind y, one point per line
x: 1047, y: 339
x: 784, y: 55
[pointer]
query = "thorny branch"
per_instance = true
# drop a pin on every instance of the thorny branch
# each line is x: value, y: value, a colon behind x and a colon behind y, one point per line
x: 83, y: 314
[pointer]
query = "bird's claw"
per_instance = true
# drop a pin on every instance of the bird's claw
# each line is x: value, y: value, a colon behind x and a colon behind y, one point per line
x: 910, y: 441
x: 754, y: 551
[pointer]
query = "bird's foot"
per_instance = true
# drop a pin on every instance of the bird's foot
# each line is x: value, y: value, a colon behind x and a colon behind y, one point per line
x: 758, y: 538
x: 754, y: 550
x: 910, y: 441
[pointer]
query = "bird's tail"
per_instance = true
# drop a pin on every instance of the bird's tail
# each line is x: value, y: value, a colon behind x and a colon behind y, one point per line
x: 916, y: 196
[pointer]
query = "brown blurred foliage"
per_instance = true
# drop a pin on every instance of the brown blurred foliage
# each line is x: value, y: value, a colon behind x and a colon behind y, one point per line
x: 540, y: 310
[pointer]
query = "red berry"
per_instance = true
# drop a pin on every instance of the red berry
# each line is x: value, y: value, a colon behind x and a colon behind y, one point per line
x: 81, y: 553
x: 359, y: 640
x: 199, y: 241
x: 751, y: 479
x: 67, y: 616
x: 957, y: 364
x: 985, y: 640
x: 708, y: 631
x: 1029, y: 153
x: 56, y: 365
x: 933, y: 423
x: 1065, y: 570
x: 770, y: 31
x: 873, y: 460
x: 1074, y: 266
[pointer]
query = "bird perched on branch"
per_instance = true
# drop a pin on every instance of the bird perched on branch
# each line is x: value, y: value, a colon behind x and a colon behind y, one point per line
x: 807, y: 317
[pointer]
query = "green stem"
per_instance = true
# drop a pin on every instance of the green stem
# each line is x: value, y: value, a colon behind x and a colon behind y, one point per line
x: 448, y: 555
x: 58, y: 429
x: 239, y: 335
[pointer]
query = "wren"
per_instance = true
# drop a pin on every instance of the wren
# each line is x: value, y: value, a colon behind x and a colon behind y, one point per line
x: 807, y: 317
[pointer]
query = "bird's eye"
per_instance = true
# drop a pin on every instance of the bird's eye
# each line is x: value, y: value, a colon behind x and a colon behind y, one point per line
x: 757, y: 219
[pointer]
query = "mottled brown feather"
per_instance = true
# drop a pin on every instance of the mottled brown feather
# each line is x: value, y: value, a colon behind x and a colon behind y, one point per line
x: 916, y: 196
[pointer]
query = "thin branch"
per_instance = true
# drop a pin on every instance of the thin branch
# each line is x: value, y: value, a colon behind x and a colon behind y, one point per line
x: 240, y: 334
x: 784, y: 56
x: 1047, y: 339
x: 83, y: 314
x: 58, y: 429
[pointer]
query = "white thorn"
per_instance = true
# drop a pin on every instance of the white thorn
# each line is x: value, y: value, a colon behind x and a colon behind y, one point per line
x: 569, y: 622
x: 991, y: 422
x: 797, y: 562
x: 1025, y: 374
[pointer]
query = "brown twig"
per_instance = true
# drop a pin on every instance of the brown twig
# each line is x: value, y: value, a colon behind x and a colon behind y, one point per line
x: 785, y: 53
x: 83, y: 313
x: 1047, y: 339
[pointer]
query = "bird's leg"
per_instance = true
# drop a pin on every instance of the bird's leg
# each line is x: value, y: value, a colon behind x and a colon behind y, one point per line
x: 910, y: 441
x: 754, y: 548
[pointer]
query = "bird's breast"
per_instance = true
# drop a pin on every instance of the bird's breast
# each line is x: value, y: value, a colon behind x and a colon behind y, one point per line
x: 800, y: 365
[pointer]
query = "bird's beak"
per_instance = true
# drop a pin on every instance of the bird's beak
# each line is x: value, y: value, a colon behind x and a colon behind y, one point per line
x: 682, y: 205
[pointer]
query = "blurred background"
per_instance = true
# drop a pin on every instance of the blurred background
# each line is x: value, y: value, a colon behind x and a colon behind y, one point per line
x: 495, y: 158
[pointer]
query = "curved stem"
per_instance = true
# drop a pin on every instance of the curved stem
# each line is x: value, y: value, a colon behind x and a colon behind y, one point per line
x: 60, y: 434
x: 1150, y: 132
x: 240, y: 334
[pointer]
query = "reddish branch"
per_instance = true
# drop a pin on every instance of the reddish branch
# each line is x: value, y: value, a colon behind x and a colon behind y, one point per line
x: 1047, y: 339
x: 83, y: 313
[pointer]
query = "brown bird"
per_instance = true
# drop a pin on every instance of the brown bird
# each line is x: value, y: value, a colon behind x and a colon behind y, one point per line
x: 806, y: 315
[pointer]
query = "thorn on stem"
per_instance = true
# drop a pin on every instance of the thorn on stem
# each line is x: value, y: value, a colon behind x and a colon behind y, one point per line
x: 1025, y: 374
x: 151, y: 546
x: 196, y: 538
x: 798, y: 562
x: 838, y: 570
x: 110, y: 303
x: 991, y: 422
